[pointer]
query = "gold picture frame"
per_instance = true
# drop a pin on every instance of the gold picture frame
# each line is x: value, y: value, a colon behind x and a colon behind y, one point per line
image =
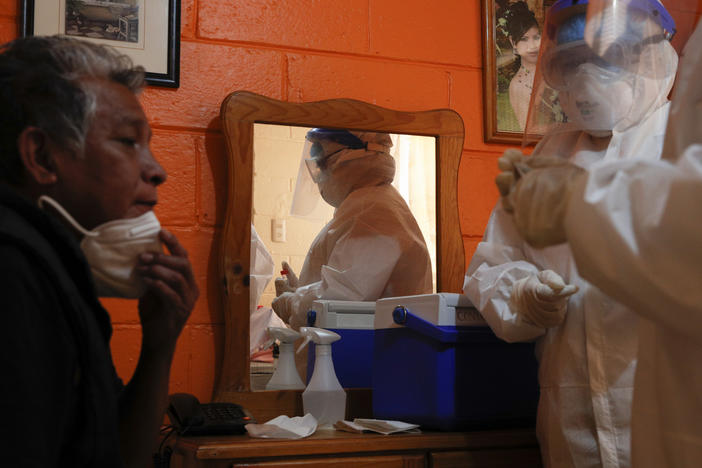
x: 501, y: 64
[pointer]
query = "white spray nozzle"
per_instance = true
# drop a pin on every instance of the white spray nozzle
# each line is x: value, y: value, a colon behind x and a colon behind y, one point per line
x: 320, y: 336
x: 283, y: 334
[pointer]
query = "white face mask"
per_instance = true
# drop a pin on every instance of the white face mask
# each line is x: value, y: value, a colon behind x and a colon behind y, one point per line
x: 112, y: 250
x: 596, y: 101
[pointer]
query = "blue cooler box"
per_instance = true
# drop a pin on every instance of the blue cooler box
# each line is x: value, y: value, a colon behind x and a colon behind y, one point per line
x: 436, y: 363
x: 353, y: 353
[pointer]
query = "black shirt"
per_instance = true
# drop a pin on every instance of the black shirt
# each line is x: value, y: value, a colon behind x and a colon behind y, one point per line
x: 59, y: 392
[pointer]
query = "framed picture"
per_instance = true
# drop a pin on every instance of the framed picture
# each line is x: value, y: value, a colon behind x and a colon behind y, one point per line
x: 146, y: 30
x: 511, y: 40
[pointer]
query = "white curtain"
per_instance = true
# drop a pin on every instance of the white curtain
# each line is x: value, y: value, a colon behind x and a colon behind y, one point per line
x: 415, y: 179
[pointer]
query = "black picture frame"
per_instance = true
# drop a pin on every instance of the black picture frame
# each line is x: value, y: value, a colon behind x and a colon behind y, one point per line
x: 170, y: 78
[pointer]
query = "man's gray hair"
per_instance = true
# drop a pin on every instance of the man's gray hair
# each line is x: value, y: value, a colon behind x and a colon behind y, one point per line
x: 43, y: 84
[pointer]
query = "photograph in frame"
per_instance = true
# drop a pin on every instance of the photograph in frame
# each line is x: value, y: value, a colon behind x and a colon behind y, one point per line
x: 146, y: 30
x: 511, y: 39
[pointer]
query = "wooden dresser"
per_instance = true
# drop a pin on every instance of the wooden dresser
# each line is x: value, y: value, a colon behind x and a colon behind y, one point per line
x: 514, y: 448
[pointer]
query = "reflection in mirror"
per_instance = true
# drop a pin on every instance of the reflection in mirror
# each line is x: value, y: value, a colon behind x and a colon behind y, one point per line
x: 285, y: 235
x: 240, y: 112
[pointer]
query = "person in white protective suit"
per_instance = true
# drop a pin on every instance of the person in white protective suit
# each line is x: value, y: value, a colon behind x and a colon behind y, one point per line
x: 586, y: 343
x: 372, y: 247
x: 634, y: 228
x: 260, y: 318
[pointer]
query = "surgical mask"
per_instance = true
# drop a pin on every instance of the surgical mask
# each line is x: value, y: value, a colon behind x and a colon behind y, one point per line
x: 112, y: 250
x: 596, y: 100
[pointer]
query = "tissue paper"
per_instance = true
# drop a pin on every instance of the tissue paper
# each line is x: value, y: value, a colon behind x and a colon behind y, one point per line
x: 284, y: 427
x: 381, y: 426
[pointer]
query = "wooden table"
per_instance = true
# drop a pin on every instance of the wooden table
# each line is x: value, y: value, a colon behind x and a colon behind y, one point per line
x: 516, y: 448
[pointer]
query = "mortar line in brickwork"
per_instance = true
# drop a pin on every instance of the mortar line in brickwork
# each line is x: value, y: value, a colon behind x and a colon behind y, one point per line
x: 320, y: 52
x: 196, y: 18
x: 449, y: 87
x: 368, y: 9
x: 284, y: 76
x: 188, y: 130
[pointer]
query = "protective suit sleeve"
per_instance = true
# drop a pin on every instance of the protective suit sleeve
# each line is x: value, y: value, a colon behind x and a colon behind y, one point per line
x: 498, y: 263
x: 358, y: 269
x: 636, y: 232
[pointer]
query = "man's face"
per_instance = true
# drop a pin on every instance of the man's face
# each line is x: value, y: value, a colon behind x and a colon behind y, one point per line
x: 117, y: 176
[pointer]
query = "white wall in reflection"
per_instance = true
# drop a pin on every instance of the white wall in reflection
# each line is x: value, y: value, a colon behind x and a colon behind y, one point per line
x: 277, y: 154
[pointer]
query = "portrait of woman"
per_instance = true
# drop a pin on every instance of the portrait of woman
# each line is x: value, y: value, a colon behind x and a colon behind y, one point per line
x: 517, y: 37
x: 525, y: 37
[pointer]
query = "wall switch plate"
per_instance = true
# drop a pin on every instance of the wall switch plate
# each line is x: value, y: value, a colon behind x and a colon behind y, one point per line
x: 278, y: 230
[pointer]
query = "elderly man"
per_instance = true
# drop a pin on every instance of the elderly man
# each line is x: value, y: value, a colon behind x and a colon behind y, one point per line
x: 77, y: 189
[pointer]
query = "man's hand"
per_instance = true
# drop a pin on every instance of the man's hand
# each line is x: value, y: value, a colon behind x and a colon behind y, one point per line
x: 171, y: 295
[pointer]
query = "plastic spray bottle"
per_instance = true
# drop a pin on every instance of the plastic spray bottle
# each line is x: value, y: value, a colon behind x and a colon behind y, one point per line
x: 324, y: 397
x: 285, y: 376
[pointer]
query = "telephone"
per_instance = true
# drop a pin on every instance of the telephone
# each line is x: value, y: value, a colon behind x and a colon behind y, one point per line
x: 189, y: 417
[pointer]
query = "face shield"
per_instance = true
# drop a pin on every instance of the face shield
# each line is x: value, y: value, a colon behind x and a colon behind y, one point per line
x: 324, y: 149
x: 604, y: 66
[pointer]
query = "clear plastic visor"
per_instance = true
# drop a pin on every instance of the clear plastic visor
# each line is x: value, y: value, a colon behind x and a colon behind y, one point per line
x: 306, y: 196
x: 603, y: 65
x: 561, y: 65
x: 629, y: 33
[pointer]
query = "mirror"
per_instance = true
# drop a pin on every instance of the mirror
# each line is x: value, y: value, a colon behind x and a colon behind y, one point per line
x: 284, y: 234
x: 240, y: 113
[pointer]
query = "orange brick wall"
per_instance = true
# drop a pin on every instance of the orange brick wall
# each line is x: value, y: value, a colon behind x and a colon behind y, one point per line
x: 402, y: 54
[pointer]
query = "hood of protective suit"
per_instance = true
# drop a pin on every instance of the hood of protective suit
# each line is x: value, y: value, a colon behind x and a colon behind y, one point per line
x: 649, y: 94
x: 352, y: 169
x: 684, y: 123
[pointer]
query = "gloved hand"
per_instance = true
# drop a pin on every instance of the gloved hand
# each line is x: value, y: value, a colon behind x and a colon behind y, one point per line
x: 282, y: 306
x: 512, y: 165
x: 541, y: 299
x: 287, y: 283
x: 539, y: 202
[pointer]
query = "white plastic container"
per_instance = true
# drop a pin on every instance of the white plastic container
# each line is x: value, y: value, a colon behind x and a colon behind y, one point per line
x: 324, y: 397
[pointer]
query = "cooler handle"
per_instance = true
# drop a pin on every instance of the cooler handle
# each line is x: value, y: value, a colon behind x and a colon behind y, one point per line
x: 402, y: 316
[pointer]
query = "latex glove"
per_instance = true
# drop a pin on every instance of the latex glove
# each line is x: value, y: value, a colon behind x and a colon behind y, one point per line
x: 287, y: 283
x: 282, y: 305
x: 514, y: 165
x: 539, y: 201
x: 541, y: 299
x: 511, y: 165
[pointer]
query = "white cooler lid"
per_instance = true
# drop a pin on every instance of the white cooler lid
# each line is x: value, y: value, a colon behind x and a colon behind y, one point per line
x: 442, y: 309
x: 344, y: 314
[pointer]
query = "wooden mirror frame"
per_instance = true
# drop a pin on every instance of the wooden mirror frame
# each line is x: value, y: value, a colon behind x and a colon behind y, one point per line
x: 239, y: 112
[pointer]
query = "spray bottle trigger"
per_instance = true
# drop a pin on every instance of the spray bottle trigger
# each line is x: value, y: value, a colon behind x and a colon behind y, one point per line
x: 304, y: 343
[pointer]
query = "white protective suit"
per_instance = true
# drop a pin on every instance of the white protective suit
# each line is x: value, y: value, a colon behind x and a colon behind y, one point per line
x: 371, y: 248
x: 635, y: 229
x: 260, y: 318
x: 587, y: 364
